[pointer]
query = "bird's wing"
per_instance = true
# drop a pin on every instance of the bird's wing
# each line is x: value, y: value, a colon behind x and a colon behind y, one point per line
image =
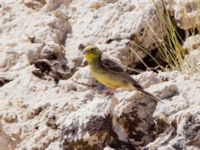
x: 115, y: 68
x: 111, y: 66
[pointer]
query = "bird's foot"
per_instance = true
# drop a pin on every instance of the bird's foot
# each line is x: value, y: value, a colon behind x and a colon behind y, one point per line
x: 109, y: 92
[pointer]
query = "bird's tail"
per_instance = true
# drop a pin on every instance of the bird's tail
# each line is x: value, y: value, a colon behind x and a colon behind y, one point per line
x: 150, y: 95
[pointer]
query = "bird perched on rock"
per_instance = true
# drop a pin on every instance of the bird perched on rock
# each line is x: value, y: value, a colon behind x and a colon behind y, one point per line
x: 109, y: 73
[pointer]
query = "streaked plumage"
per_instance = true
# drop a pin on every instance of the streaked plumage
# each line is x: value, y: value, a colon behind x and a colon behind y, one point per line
x: 110, y: 73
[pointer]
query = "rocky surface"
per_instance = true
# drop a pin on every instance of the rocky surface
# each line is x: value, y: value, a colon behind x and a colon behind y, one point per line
x: 185, y: 12
x: 49, y: 100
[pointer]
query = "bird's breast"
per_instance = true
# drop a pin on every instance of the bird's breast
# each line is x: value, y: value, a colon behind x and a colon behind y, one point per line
x: 110, y: 80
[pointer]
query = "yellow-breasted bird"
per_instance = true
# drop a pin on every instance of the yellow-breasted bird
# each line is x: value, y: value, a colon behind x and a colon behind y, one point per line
x: 109, y: 73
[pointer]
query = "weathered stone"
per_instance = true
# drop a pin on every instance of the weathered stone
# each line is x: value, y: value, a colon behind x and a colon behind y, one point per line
x: 186, y: 13
x: 39, y: 44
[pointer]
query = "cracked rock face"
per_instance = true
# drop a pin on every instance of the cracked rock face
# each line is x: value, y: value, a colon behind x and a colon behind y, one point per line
x: 114, y: 118
x: 192, y: 45
x: 186, y: 13
x: 49, y: 99
x: 114, y: 22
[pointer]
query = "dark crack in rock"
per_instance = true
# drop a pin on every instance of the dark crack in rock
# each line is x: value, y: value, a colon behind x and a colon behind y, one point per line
x: 129, y: 126
x: 135, y: 121
x: 54, y: 69
x: 189, y: 135
x: 51, y: 122
x: 51, y: 63
x: 98, y: 132
x: 3, y: 81
x: 192, y: 130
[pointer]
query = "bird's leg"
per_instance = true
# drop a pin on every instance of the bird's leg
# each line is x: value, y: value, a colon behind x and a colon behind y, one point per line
x: 109, y: 92
x: 104, y: 90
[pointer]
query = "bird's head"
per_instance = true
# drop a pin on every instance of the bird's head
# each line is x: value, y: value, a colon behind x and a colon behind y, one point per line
x: 92, y: 53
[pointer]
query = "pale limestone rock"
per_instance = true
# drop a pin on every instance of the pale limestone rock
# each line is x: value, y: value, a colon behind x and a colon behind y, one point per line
x: 39, y: 45
x: 186, y: 12
x: 192, y: 43
x: 147, y: 79
x: 44, y: 32
x: 114, y: 21
x: 5, y: 145
x: 83, y: 79
x: 191, y: 61
x: 52, y: 4
x: 10, y: 117
x: 7, y: 142
x: 104, y: 118
x: 34, y: 4
x: 179, y: 117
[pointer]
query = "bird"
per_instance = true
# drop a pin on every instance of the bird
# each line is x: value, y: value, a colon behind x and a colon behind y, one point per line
x: 110, y: 73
